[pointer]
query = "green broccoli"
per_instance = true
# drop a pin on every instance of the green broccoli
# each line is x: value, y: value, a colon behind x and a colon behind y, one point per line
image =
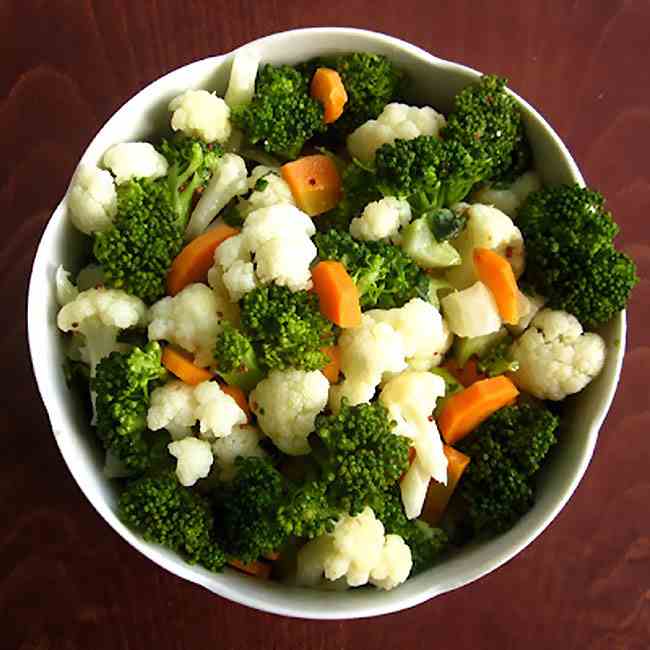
x: 570, y: 254
x: 282, y: 116
x: 137, y: 251
x: 506, y: 451
x: 384, y: 274
x: 497, y: 360
x: 236, y: 359
x: 280, y: 329
x: 166, y: 513
x: 122, y: 382
x: 487, y: 121
x: 358, y: 454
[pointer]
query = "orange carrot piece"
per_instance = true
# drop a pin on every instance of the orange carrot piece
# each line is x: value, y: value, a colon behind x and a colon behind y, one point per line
x: 194, y: 261
x: 328, y: 89
x: 495, y: 272
x: 315, y: 183
x: 180, y: 364
x: 337, y: 294
x: 333, y: 368
x: 438, y: 494
x: 468, y: 374
x: 272, y: 556
x: 239, y: 396
x: 464, y: 411
x: 254, y: 568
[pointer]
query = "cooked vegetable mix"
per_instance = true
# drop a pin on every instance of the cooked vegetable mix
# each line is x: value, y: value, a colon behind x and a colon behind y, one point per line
x: 320, y: 327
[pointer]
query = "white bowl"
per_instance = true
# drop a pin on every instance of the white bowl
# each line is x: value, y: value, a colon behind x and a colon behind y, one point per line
x: 435, y: 83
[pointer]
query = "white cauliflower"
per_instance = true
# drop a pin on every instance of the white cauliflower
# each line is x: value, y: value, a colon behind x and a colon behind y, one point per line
x: 190, y: 319
x: 227, y: 310
x: 357, y: 551
x: 286, y: 404
x: 243, y: 442
x: 92, y: 199
x: 397, y: 121
x: 276, y: 190
x: 177, y: 407
x: 228, y: 181
x: 279, y: 238
x: 490, y: 228
x: 555, y: 357
x: 100, y: 314
x: 509, y: 199
x: 413, y: 488
x: 241, y: 86
x: 529, y: 306
x: 129, y: 160
x: 201, y: 114
x: 381, y: 220
x: 66, y: 291
x: 471, y: 312
x: 194, y: 459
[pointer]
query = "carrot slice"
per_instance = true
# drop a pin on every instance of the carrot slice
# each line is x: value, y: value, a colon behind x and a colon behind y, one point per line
x: 337, y: 294
x: 315, y: 183
x: 496, y: 274
x: 180, y: 364
x: 333, y: 368
x: 328, y: 89
x: 239, y: 396
x: 254, y: 568
x: 464, y: 411
x: 194, y: 261
x: 468, y: 374
x: 438, y: 494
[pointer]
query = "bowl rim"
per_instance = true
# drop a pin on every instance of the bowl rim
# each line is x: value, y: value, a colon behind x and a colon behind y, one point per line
x: 177, y: 565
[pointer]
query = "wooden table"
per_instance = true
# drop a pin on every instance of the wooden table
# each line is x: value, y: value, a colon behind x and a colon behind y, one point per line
x: 66, y: 580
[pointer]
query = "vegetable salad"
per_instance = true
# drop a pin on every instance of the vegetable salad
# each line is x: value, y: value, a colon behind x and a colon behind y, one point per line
x: 324, y: 334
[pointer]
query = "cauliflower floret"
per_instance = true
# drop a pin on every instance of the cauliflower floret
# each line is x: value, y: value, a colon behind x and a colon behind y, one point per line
x: 92, y: 199
x: 509, y: 199
x: 129, y: 160
x: 177, y: 407
x: 286, y: 404
x: 172, y: 407
x: 279, y: 239
x: 194, y: 459
x: 555, y: 357
x: 394, y: 564
x: 425, y: 335
x: 472, y: 312
x: 228, y: 310
x: 99, y: 314
x: 243, y: 442
x: 276, y: 190
x: 397, y: 121
x: 65, y: 289
x: 413, y: 488
x: 490, y: 228
x: 529, y: 306
x: 200, y: 114
x: 228, y: 181
x: 190, y: 319
x: 241, y: 86
x: 381, y: 220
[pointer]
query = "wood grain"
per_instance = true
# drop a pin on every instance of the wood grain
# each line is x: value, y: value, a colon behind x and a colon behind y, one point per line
x: 66, y: 580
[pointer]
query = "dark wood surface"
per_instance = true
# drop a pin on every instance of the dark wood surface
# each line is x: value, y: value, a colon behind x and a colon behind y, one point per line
x: 66, y: 580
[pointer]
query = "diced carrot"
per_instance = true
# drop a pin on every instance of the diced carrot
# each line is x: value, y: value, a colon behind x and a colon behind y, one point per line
x: 239, y: 396
x: 194, y: 261
x: 272, y: 556
x: 496, y: 274
x: 468, y: 374
x: 333, y: 368
x: 438, y: 494
x: 328, y: 89
x: 254, y: 568
x: 180, y: 364
x: 337, y: 294
x: 464, y: 411
x: 315, y: 183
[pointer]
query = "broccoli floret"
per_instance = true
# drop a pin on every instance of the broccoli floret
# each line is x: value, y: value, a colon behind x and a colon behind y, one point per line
x: 236, y: 359
x: 282, y: 116
x: 497, y: 360
x: 358, y: 454
x: 506, y: 451
x: 487, y: 121
x: 164, y: 512
x: 122, y: 383
x: 384, y: 274
x: 570, y: 254
x: 137, y: 251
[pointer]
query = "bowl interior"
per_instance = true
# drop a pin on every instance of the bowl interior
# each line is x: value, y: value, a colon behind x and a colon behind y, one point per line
x: 435, y: 82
